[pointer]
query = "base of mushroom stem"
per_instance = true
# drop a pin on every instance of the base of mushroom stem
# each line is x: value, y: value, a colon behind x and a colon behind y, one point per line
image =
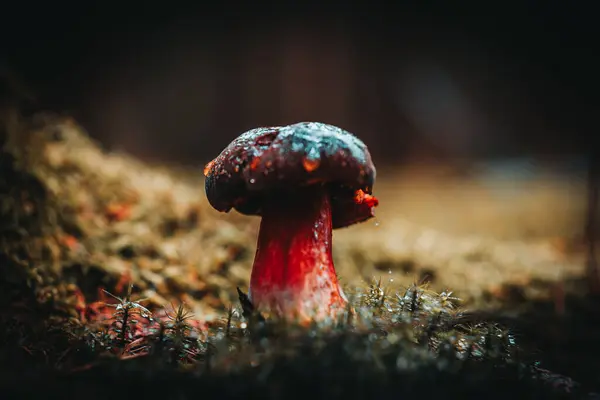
x: 303, y: 308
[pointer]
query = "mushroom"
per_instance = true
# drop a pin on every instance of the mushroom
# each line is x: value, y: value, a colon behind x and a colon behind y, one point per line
x: 304, y: 180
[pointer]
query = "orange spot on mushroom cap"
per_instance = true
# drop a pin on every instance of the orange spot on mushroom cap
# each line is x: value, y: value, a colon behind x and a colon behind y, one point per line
x: 360, y: 197
x: 255, y: 163
x: 310, y: 164
x: 208, y: 167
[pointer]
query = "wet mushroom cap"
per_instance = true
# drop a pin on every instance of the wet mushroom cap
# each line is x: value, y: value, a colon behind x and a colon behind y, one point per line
x: 271, y: 160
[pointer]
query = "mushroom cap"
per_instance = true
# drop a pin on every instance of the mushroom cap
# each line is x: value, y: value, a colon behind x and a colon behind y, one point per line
x: 271, y: 160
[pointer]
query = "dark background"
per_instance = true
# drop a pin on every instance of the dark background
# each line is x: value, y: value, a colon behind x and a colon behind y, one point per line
x: 416, y: 82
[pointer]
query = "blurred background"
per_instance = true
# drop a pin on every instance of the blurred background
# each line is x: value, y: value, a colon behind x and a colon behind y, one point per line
x: 504, y: 93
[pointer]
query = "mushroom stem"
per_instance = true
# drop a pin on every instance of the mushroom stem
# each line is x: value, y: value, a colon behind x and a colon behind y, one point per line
x: 293, y: 271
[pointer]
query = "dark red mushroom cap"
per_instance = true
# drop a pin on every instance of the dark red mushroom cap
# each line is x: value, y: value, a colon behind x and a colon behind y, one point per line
x: 266, y: 161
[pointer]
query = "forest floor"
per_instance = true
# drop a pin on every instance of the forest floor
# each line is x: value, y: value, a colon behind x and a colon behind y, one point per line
x: 76, y: 219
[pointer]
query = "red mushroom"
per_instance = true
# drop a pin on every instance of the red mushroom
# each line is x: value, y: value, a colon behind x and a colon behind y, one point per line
x: 303, y: 180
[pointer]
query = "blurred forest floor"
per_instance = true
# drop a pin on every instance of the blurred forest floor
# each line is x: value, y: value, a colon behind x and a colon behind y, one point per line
x: 77, y: 218
x: 473, y: 231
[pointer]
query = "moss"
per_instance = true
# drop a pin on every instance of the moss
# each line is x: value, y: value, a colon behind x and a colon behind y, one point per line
x: 415, y: 343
